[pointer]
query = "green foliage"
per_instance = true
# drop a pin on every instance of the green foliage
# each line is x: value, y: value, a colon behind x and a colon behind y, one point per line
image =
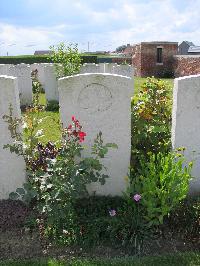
x: 31, y: 59
x: 52, y: 106
x: 121, y: 48
x: 89, y: 59
x: 66, y: 58
x: 26, y: 59
x: 162, y: 182
x: 176, y: 259
x: 151, y: 120
x: 56, y: 177
x: 25, y: 141
x: 66, y: 178
x: 36, y: 85
x: 122, y: 229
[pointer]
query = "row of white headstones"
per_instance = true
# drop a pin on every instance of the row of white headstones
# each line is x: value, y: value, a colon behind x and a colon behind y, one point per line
x: 102, y: 102
x: 47, y: 77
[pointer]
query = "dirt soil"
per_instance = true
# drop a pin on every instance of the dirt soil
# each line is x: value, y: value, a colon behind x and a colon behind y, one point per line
x: 19, y: 242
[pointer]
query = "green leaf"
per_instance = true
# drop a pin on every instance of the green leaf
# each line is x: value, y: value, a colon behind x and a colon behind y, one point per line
x: 14, y: 196
x: 20, y: 191
x: 112, y: 145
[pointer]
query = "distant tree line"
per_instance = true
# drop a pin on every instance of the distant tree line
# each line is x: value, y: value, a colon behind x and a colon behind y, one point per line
x: 121, y: 48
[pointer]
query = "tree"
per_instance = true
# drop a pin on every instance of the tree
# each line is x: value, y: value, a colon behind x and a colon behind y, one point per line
x: 121, y: 48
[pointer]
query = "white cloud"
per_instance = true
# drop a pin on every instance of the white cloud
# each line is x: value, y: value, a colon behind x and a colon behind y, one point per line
x: 19, y: 38
x: 106, y: 25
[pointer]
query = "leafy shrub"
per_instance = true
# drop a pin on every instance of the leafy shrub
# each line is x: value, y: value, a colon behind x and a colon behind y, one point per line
x: 52, y: 106
x: 58, y: 176
x: 151, y: 120
x: 162, y: 183
x: 66, y: 58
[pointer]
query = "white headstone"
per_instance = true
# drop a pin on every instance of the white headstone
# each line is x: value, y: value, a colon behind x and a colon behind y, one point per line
x: 101, y: 68
x: 108, y: 67
x: 23, y: 74
x: 4, y: 69
x: 102, y: 102
x: 186, y: 123
x: 12, y: 167
x: 50, y: 82
x: 89, y: 68
x: 124, y: 70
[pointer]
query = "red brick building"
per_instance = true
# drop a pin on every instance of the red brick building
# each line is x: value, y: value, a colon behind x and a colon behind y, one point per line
x: 128, y: 51
x: 154, y: 58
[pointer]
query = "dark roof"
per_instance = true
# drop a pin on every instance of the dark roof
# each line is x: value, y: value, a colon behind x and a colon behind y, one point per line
x: 190, y: 43
x: 41, y: 52
x: 194, y: 49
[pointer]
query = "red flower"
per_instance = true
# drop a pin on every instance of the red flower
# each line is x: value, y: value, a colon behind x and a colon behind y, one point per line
x: 73, y: 118
x: 75, y: 133
x: 69, y: 127
x: 81, y: 136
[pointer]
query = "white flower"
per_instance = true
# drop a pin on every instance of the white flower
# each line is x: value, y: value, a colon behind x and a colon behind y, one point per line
x: 39, y: 133
x: 25, y: 125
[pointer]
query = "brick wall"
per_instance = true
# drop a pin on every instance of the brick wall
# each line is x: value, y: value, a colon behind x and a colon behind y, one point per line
x: 145, y: 59
x: 136, y: 59
x: 186, y: 65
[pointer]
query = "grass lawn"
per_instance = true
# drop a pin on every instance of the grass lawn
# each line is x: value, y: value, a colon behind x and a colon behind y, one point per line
x: 179, y: 259
x: 50, y: 124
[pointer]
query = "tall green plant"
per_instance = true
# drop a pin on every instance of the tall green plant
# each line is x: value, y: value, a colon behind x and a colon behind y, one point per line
x: 151, y: 120
x: 24, y: 130
x: 66, y: 58
x: 162, y: 182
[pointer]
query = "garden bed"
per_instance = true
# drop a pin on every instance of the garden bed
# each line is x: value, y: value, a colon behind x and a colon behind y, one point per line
x: 18, y: 241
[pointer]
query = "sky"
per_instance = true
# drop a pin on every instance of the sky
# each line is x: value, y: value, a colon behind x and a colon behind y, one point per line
x: 29, y: 25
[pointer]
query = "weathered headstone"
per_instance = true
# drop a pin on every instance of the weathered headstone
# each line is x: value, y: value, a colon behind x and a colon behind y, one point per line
x: 102, y: 102
x: 50, y: 82
x: 123, y: 70
x: 186, y: 123
x: 23, y: 74
x: 12, y: 167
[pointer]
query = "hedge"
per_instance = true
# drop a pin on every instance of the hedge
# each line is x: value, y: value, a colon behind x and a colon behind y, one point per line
x: 31, y: 59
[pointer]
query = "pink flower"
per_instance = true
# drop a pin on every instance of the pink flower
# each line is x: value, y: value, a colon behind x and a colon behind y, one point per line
x: 73, y: 118
x: 112, y: 213
x: 137, y: 197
